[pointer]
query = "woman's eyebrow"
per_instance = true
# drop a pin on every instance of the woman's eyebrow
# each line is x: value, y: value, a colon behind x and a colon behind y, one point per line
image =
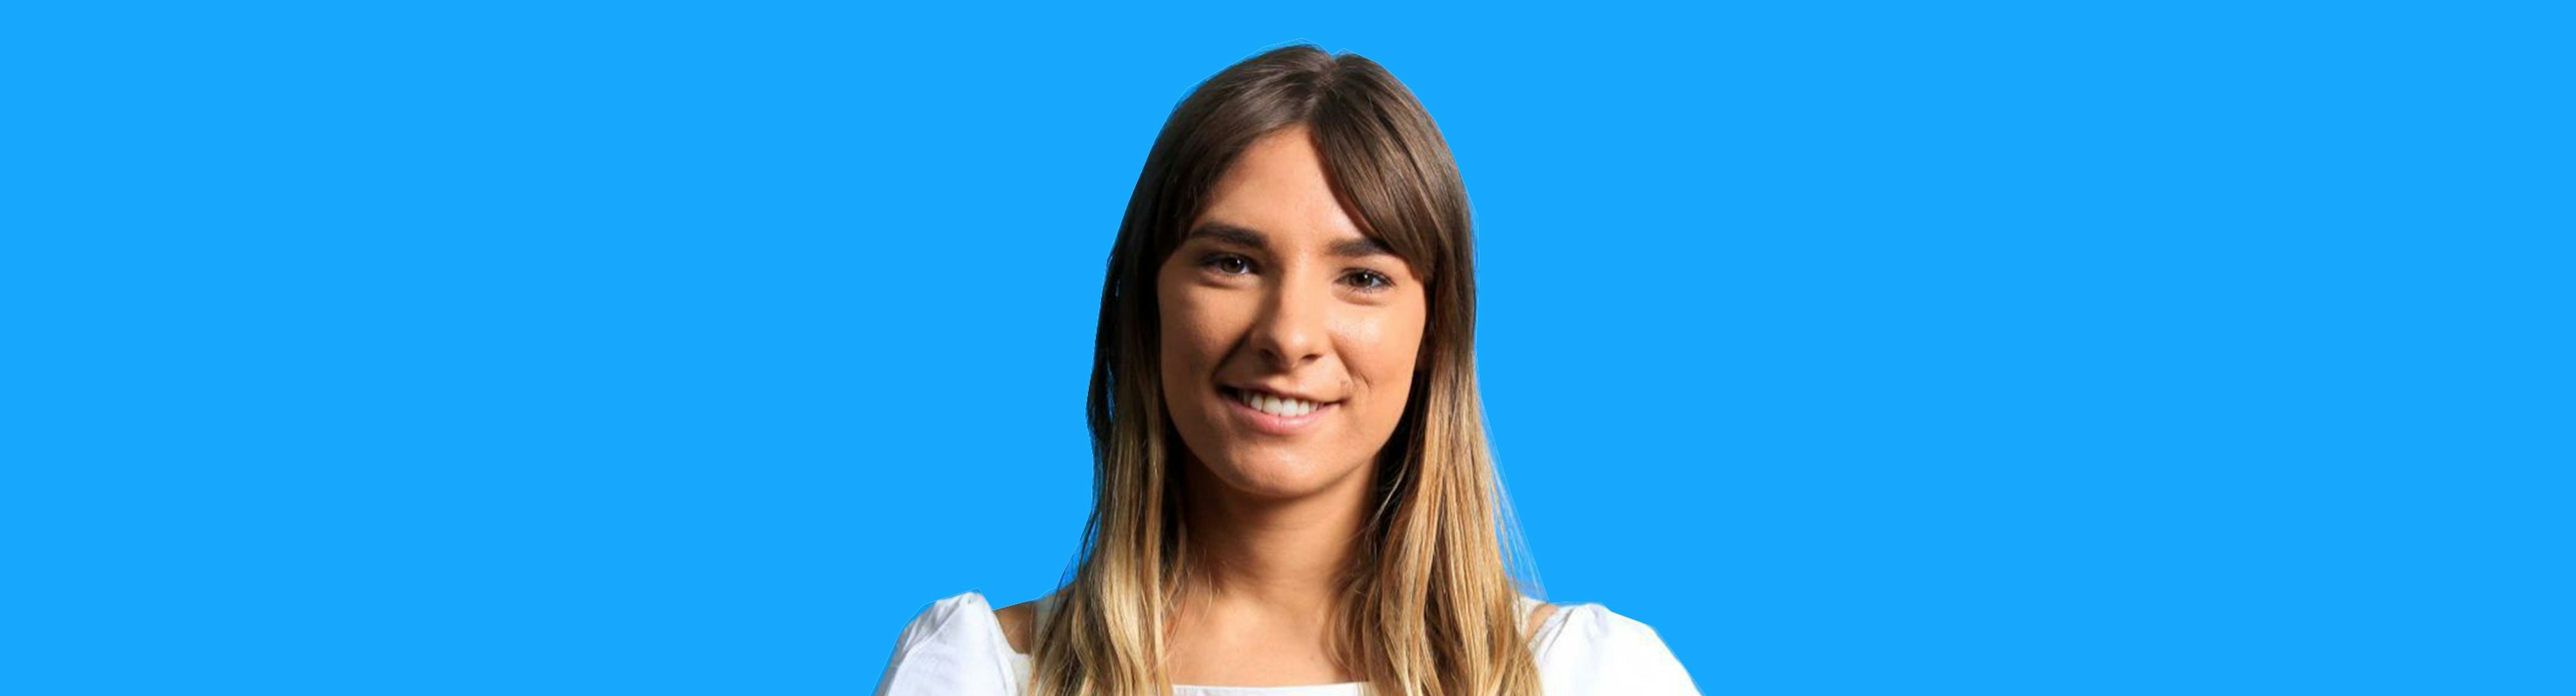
x: 1249, y: 238
x: 1361, y: 247
x: 1229, y: 234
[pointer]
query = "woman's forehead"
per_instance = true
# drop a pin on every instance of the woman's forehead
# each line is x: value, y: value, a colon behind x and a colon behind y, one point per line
x: 1278, y: 186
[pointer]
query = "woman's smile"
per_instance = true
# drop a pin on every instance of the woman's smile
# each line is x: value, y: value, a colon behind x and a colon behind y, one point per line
x: 1273, y: 414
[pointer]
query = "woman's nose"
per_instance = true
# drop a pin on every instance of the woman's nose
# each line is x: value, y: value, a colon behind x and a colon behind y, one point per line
x: 1291, y: 330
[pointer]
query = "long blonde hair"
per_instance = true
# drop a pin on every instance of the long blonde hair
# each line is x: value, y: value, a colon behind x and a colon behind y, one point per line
x: 1432, y: 607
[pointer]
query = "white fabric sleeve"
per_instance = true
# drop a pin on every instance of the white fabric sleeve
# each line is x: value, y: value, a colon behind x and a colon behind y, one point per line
x: 954, y: 648
x: 1600, y: 652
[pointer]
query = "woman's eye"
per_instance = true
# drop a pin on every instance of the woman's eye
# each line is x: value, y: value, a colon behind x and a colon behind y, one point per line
x: 1371, y: 281
x: 1228, y: 264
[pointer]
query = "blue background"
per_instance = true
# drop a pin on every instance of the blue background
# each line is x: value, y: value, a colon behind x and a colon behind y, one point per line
x: 651, y: 348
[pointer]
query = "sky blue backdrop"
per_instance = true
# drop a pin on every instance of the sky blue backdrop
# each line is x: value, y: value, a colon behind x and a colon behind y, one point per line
x: 1992, y: 348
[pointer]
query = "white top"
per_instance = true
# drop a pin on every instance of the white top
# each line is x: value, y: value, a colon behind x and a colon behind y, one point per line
x: 956, y: 648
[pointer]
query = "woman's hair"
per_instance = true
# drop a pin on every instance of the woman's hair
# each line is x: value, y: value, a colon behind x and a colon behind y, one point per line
x: 1431, y: 607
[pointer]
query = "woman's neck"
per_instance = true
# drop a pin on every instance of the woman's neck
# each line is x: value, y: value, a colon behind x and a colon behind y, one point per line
x: 1278, y: 554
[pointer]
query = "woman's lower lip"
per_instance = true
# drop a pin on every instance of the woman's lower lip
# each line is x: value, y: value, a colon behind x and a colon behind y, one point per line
x: 1278, y: 425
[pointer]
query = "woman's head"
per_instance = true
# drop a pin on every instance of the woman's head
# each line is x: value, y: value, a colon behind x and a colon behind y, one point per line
x: 1299, y: 230
x: 1289, y: 336
x: 1297, y: 203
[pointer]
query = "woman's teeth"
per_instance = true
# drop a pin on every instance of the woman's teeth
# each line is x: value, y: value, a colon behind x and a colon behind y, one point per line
x: 1265, y: 403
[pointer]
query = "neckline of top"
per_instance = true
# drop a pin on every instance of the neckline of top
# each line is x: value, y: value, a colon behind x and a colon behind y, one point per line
x: 1539, y: 642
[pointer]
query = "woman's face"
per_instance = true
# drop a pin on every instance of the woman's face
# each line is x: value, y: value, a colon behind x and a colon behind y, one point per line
x: 1289, y: 339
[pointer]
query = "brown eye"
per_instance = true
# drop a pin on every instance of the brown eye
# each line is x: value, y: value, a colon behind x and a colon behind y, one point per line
x: 1228, y: 264
x: 1370, y: 281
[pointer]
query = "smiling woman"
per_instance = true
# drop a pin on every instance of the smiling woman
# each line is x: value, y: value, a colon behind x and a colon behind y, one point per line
x: 1293, y: 491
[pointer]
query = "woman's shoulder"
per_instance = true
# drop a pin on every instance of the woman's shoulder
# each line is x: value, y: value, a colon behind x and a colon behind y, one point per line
x: 957, y: 645
x: 1585, y: 648
x: 1590, y: 623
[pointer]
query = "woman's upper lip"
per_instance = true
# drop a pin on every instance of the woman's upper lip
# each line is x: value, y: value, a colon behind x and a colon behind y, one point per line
x: 1282, y: 393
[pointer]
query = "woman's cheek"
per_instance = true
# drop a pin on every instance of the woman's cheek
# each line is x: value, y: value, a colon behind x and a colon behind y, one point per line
x: 1210, y: 324
x: 1383, y: 354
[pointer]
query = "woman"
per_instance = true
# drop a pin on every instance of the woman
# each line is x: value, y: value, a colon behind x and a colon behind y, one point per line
x: 1292, y: 485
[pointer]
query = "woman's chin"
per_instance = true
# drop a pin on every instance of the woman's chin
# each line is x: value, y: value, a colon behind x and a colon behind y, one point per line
x: 1272, y: 476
